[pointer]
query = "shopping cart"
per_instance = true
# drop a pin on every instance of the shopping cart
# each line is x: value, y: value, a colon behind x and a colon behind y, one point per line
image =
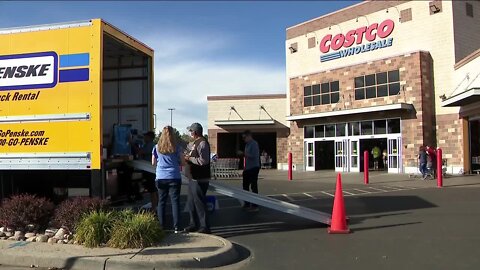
x: 225, y: 168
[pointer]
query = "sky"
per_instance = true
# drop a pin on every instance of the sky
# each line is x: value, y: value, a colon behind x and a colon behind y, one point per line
x: 202, y: 48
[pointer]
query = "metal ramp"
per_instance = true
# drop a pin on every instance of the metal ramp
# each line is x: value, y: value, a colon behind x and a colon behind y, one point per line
x: 243, y: 195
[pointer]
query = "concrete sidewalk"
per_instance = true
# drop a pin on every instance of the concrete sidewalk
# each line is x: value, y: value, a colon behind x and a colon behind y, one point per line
x: 177, y: 251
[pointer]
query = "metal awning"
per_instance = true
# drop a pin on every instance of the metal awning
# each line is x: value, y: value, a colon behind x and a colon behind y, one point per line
x: 244, y: 122
x: 465, y: 98
x: 381, y: 108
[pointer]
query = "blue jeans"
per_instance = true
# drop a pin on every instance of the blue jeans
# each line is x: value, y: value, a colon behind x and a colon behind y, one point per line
x: 423, y: 169
x: 165, y: 188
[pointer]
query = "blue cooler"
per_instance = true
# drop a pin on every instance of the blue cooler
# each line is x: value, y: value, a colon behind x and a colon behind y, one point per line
x: 211, y: 203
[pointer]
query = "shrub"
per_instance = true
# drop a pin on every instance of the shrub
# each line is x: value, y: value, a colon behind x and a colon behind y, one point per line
x: 94, y: 228
x: 69, y: 212
x: 136, y: 231
x: 21, y: 210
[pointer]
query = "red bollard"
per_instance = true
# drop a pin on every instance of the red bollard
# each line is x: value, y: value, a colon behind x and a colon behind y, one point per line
x: 365, y: 167
x: 290, y: 166
x: 439, y: 168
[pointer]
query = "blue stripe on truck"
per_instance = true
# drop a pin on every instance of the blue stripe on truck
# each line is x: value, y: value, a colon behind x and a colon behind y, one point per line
x: 74, y: 60
x: 74, y: 75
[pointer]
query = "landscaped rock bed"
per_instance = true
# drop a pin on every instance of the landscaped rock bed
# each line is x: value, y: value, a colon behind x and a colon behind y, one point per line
x: 52, y: 236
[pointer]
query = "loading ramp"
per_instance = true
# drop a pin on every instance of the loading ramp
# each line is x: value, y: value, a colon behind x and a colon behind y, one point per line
x: 243, y: 195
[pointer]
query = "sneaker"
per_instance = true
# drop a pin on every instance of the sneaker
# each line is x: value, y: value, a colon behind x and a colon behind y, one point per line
x: 204, y: 230
x: 190, y: 228
x: 176, y: 230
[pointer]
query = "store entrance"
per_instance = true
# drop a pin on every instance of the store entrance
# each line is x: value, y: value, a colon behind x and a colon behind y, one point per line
x: 324, y: 155
x: 375, y: 147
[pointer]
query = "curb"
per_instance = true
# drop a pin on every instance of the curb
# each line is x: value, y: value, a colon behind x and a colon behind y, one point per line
x: 225, y: 255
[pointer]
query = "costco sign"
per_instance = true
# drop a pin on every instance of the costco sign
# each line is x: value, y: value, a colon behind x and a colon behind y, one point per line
x: 376, y: 34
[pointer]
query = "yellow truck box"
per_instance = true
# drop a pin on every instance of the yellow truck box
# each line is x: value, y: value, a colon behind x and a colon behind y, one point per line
x: 62, y: 89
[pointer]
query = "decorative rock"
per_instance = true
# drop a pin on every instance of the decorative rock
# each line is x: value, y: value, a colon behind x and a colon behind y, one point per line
x: 41, y: 238
x: 71, y: 242
x: 49, y: 234
x: 60, y: 233
x: 52, y: 241
x: 51, y: 231
x: 60, y: 242
x: 32, y: 239
x: 11, y: 238
x: 69, y: 236
x: 30, y: 228
x: 2, y: 229
x: 75, y: 242
x: 30, y: 235
x: 10, y: 230
x: 19, y: 233
x: 2, y: 234
x: 8, y: 234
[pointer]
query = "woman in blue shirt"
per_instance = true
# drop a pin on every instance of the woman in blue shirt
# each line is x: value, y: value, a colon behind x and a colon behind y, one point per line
x: 167, y: 157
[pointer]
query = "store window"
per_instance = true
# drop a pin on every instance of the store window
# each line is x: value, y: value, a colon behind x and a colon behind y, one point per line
x: 380, y: 127
x: 380, y: 84
x: 340, y: 129
x: 354, y: 129
x: 393, y: 126
x: 321, y: 94
x: 329, y: 130
x: 366, y: 128
x: 308, y: 131
x: 319, y: 131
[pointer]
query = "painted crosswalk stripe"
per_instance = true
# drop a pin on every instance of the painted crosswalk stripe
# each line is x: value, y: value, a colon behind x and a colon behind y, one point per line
x: 361, y: 190
x: 393, y: 188
x: 405, y: 187
x: 348, y: 193
x: 308, y: 195
x: 288, y: 198
x: 326, y: 193
x: 377, y: 189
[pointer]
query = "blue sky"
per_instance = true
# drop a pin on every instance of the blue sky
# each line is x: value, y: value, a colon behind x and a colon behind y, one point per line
x: 201, y: 48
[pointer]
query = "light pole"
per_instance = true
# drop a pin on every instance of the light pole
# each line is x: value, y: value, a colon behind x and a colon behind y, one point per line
x: 171, y: 116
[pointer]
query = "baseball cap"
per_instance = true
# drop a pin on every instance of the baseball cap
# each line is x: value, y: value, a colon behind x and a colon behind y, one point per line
x: 196, y: 127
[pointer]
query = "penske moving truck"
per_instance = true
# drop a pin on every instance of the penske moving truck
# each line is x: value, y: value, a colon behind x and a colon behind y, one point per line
x: 63, y: 90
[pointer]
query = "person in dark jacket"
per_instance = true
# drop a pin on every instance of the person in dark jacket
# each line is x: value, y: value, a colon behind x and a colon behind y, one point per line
x: 422, y: 161
x: 198, y: 159
x: 252, y: 167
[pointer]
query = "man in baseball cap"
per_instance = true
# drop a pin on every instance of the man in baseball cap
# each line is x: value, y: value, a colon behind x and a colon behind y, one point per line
x: 197, y: 128
x: 199, y: 161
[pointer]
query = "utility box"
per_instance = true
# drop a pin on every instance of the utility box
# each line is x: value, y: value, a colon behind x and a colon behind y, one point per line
x: 63, y: 88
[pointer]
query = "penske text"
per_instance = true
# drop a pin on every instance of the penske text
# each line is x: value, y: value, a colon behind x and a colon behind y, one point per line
x: 23, y: 137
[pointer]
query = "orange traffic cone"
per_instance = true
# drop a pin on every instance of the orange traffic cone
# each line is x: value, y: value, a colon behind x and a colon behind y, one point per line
x: 339, y: 221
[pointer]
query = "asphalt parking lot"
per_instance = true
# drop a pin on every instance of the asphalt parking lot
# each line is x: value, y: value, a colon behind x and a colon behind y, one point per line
x: 397, y: 222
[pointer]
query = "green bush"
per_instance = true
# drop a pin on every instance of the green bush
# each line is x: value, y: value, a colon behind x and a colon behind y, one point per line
x: 68, y: 213
x: 21, y: 210
x: 136, y: 231
x: 94, y: 228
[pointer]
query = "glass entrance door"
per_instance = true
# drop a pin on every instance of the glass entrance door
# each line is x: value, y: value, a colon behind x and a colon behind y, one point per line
x: 341, y: 154
x: 394, y: 155
x: 309, y: 156
x: 354, y: 161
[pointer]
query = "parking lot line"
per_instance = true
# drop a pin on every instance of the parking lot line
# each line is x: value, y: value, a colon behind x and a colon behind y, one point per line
x: 308, y: 195
x: 326, y: 193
